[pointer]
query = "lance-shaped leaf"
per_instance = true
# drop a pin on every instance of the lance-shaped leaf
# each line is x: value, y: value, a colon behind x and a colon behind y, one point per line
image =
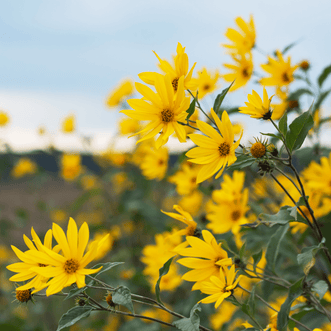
x: 105, y: 267
x: 324, y: 75
x: 282, y: 125
x: 190, y: 110
x: 192, y: 323
x: 72, y: 316
x: 286, y: 214
x: 298, y: 93
x: 219, y: 99
x: 122, y: 296
x: 163, y: 271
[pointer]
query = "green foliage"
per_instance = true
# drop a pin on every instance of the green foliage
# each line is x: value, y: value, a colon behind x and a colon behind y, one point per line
x: 298, y: 130
x: 321, y: 287
x: 192, y: 323
x: 73, y: 316
x: 122, y: 297
x: 219, y: 99
x: 105, y: 267
x: 163, y: 271
x: 273, y: 246
x: 306, y: 258
x: 298, y: 93
x: 190, y: 110
x: 285, y: 215
x: 282, y: 125
x: 324, y: 75
x: 243, y: 161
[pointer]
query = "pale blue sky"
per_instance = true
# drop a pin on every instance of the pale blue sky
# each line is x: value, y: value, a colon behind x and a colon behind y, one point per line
x: 58, y: 57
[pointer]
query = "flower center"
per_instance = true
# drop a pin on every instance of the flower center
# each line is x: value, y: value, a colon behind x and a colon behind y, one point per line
x: 293, y: 104
x: 161, y: 162
x: 258, y: 150
x: 71, y: 266
x: 42, y: 265
x: 235, y: 215
x: 23, y: 296
x: 190, y: 230
x: 285, y: 77
x: 175, y: 84
x: 167, y: 115
x: 245, y: 72
x: 224, y: 149
x: 206, y: 87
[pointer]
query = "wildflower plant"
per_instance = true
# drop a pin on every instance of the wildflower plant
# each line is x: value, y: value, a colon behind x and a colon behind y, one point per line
x: 254, y: 241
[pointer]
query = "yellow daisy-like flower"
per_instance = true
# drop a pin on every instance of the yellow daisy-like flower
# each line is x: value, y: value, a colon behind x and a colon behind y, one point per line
x: 68, y: 124
x: 242, y: 70
x: 205, y: 257
x: 281, y: 72
x: 128, y: 125
x: 68, y: 268
x: 216, y: 150
x: 155, y: 164
x: 175, y: 72
x: 71, y: 166
x: 186, y: 218
x: 123, y: 90
x: 278, y: 109
x: 23, y: 269
x: 256, y: 107
x: 206, y: 82
x: 162, y: 109
x: 4, y: 118
x: 23, y: 167
x: 244, y: 39
x: 220, y: 287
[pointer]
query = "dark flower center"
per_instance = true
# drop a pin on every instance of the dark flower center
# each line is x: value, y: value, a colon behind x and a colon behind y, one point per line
x: 175, y: 84
x: 71, y: 266
x: 224, y: 149
x: 167, y: 115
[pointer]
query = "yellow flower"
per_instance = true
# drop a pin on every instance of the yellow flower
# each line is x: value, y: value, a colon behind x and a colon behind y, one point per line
x: 58, y: 215
x: 281, y: 72
x: 175, y: 72
x: 128, y: 125
x: 68, y: 124
x: 162, y: 109
x: 68, y: 268
x: 279, y: 109
x: 155, y: 164
x: 242, y: 70
x: 4, y: 118
x: 216, y: 150
x: 5, y: 254
x: 259, y: 148
x: 186, y: 218
x: 70, y: 166
x: 256, y: 107
x: 244, y: 39
x: 23, y: 269
x: 89, y: 182
x: 23, y: 167
x: 123, y: 90
x: 192, y: 202
x: 220, y: 287
x: 185, y: 179
x: 206, y: 82
x: 223, y: 315
x: 105, y: 247
x: 205, y: 257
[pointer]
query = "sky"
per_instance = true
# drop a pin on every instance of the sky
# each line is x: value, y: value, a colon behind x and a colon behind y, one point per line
x: 63, y: 57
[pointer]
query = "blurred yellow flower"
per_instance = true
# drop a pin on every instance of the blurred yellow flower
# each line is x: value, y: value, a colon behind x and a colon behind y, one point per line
x: 244, y: 39
x: 128, y: 125
x: 175, y: 72
x: 242, y: 70
x: 71, y: 166
x: 58, y: 215
x: 23, y: 167
x: 5, y: 254
x: 155, y: 164
x: 192, y: 202
x: 68, y: 124
x: 106, y: 246
x: 123, y: 90
x: 89, y: 182
x: 281, y: 72
x: 223, y: 315
x: 279, y: 109
x: 4, y: 118
x: 206, y: 82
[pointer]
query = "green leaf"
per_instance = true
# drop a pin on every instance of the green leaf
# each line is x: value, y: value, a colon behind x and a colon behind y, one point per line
x: 294, y: 292
x: 321, y: 287
x: 288, y: 47
x: 298, y: 93
x: 273, y: 246
x: 190, y: 110
x: 251, y: 301
x: 298, y: 130
x: 301, y: 201
x: 163, y: 271
x: 192, y: 323
x: 320, y: 100
x: 106, y: 266
x: 242, y: 162
x: 277, y: 136
x: 282, y: 125
x: 257, y: 258
x: 75, y: 291
x: 219, y: 99
x: 306, y: 258
x: 282, y: 217
x: 324, y: 75
x: 72, y: 316
x: 242, y: 251
x: 122, y: 296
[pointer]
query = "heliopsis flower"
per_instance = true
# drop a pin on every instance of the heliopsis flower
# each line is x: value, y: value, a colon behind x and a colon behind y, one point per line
x: 68, y: 268
x: 175, y: 72
x: 205, y: 257
x: 220, y: 287
x: 206, y: 82
x: 244, y: 39
x: 162, y: 109
x: 216, y: 150
x: 23, y: 167
x: 155, y: 164
x: 228, y: 216
x: 256, y: 107
x: 23, y: 269
x: 68, y: 124
x: 123, y: 90
x: 281, y: 72
x: 4, y: 118
x: 242, y: 70
x: 185, y: 178
x: 186, y: 218
x: 70, y: 166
